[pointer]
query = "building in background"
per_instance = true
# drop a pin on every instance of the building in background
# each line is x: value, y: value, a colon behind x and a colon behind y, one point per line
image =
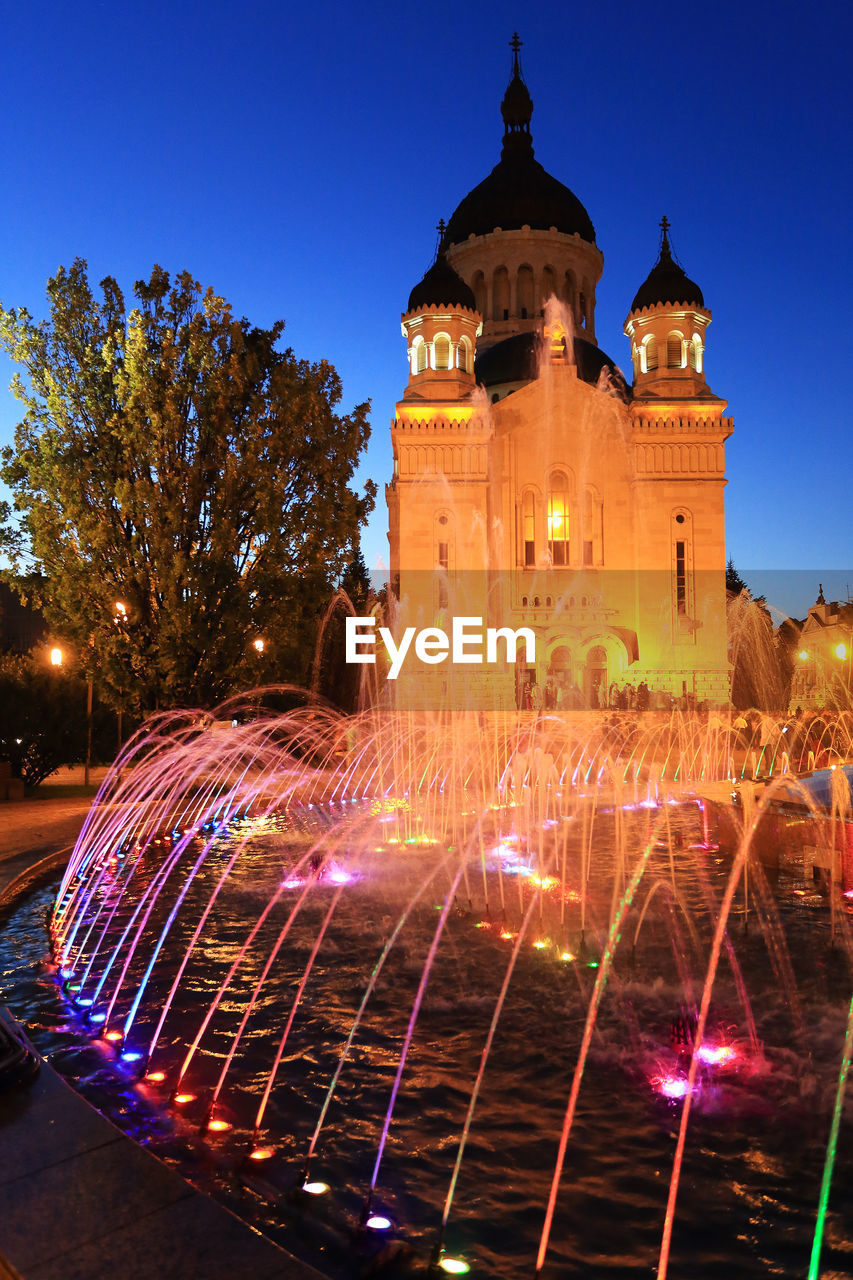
x: 822, y: 668
x: 532, y: 486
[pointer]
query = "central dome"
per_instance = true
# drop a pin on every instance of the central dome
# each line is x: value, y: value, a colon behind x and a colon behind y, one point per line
x: 518, y: 192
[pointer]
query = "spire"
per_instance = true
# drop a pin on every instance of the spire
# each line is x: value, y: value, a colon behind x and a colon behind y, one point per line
x: 517, y: 107
x: 664, y: 242
x: 439, y: 243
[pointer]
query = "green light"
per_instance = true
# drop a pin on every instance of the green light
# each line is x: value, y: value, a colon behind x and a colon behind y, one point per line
x: 831, y: 1147
x: 593, y: 964
x: 454, y: 1266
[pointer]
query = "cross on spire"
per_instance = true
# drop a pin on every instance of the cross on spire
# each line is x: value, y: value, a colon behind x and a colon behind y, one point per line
x: 515, y: 44
x: 440, y: 228
x: 664, y: 225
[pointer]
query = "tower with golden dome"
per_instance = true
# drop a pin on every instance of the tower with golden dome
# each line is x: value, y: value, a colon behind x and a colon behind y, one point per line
x: 533, y: 485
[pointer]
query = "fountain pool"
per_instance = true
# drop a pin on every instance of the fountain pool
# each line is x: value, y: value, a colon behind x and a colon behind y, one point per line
x: 490, y: 998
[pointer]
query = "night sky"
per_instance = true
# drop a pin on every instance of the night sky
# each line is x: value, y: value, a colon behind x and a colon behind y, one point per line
x: 298, y: 158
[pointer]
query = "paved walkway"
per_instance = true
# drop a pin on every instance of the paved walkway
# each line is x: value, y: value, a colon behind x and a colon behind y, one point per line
x: 78, y: 1199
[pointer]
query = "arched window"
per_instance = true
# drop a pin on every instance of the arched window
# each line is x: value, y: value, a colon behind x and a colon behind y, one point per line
x: 441, y: 350
x: 593, y: 527
x: 650, y: 352
x: 420, y: 356
x: 463, y: 356
x: 694, y: 352
x: 501, y: 294
x: 478, y: 285
x: 582, y: 310
x: 558, y: 518
x: 682, y: 566
x: 569, y: 292
x: 547, y: 286
x: 524, y: 286
x: 674, y: 356
x: 528, y: 532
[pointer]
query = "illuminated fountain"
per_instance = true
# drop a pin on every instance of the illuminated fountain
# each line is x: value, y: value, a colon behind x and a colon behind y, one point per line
x: 442, y: 979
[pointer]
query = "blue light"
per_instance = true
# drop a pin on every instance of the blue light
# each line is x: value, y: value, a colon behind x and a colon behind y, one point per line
x: 84, y: 1002
x: 98, y: 1017
x: 131, y: 1056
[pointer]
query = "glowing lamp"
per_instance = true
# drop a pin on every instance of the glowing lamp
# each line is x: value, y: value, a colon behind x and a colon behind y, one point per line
x: 841, y: 651
x: 378, y: 1222
x: 506, y: 934
x: 84, y: 1002
x: 56, y: 657
x: 540, y: 945
x: 454, y: 1266
x: 181, y: 1098
x: 113, y: 1036
x: 99, y: 1017
x: 261, y: 1153
x: 156, y: 1077
x: 315, y: 1188
x: 218, y: 1126
x: 567, y: 955
x: 258, y: 645
x: 803, y: 655
x: 131, y: 1056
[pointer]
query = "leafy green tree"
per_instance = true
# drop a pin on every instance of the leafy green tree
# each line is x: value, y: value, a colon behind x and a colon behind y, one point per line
x: 182, y: 485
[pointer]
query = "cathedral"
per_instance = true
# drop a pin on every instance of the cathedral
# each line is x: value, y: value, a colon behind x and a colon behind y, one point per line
x: 533, y: 486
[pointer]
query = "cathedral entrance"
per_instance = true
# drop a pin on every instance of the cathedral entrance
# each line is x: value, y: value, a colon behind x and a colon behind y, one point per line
x: 561, y: 692
x: 595, y: 678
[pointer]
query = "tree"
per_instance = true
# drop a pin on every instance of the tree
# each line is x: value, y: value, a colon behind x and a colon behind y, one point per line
x: 734, y: 582
x: 182, y: 485
x: 43, y: 721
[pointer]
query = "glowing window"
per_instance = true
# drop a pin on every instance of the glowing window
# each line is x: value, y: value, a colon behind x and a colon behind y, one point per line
x: 462, y: 356
x: 650, y: 346
x: 558, y: 519
x: 441, y: 350
x: 420, y: 356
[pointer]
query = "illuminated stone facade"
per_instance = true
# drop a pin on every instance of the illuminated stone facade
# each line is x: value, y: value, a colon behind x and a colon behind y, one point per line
x: 533, y: 487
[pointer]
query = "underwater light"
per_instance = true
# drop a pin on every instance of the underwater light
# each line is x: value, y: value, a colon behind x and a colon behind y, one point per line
x: 181, y: 1098
x: 540, y: 945
x: 98, y: 1017
x: 454, y: 1266
x: 567, y: 955
x: 131, y: 1056
x: 714, y: 1056
x: 262, y: 1153
x: 673, y: 1086
x: 113, y: 1036
x: 156, y: 1077
x: 84, y: 1002
x: 218, y: 1126
x: 66, y: 973
x: 377, y: 1222
x: 315, y: 1188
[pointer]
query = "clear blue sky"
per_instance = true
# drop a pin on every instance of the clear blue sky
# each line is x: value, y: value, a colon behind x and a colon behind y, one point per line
x: 298, y: 157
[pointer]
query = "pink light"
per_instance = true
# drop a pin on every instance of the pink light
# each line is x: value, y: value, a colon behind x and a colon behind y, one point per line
x: 338, y: 876
x: 670, y: 1086
x: 714, y: 1056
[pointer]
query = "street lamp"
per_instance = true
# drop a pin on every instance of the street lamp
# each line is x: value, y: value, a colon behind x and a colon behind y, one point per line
x: 56, y: 657
x: 258, y: 645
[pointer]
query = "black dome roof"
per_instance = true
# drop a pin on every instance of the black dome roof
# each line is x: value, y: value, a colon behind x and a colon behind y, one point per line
x: 518, y: 192
x: 516, y: 360
x: 667, y: 283
x: 441, y: 287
